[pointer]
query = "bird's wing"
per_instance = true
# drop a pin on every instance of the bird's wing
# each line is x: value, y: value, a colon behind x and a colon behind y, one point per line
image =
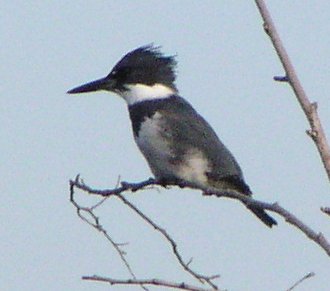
x: 189, y: 130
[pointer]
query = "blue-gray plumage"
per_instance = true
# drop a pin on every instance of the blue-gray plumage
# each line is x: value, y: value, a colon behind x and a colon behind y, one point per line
x: 178, y: 144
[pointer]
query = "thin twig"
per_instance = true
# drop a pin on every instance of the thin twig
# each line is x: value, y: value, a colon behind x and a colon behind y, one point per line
x: 281, y: 78
x: 94, y: 221
x: 316, y: 131
x: 307, y: 276
x: 155, y: 282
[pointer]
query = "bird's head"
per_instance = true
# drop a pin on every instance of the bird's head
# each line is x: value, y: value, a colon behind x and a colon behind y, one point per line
x: 144, y: 73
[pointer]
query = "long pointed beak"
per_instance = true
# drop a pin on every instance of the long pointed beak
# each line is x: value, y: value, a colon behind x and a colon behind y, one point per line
x: 97, y: 85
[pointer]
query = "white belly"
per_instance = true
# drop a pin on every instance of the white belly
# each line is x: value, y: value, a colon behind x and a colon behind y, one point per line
x: 154, y: 146
x: 154, y: 142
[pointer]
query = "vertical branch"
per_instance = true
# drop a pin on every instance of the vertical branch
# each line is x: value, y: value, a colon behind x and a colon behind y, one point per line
x: 316, y: 131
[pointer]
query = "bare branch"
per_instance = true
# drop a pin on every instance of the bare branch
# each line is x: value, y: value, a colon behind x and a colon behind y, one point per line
x: 316, y: 131
x: 247, y: 200
x: 155, y: 282
x: 307, y: 276
x: 200, y: 277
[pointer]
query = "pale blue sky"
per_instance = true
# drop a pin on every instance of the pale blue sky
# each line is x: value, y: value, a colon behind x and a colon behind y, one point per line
x: 226, y: 65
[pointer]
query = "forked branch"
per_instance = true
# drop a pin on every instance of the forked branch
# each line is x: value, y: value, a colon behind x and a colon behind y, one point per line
x: 87, y: 214
x: 317, y: 237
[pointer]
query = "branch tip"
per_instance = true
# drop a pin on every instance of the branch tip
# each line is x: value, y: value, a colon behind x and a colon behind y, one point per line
x: 266, y: 28
x: 281, y: 78
x: 307, y: 276
x: 326, y: 210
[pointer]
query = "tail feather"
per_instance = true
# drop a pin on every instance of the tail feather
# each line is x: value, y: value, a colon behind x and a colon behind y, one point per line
x: 237, y: 183
x: 263, y: 216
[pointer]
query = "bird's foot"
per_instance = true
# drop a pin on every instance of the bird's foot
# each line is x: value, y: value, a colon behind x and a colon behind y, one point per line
x: 167, y: 182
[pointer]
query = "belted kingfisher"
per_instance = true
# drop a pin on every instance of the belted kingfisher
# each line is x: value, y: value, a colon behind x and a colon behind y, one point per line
x: 177, y: 142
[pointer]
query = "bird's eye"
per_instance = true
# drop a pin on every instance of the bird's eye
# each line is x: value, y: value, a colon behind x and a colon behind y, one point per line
x: 113, y: 73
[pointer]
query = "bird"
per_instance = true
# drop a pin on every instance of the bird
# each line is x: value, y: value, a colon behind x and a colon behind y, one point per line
x: 177, y: 142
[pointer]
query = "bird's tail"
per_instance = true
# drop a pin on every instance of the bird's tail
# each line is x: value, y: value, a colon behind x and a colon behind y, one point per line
x: 236, y: 183
x: 263, y: 216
